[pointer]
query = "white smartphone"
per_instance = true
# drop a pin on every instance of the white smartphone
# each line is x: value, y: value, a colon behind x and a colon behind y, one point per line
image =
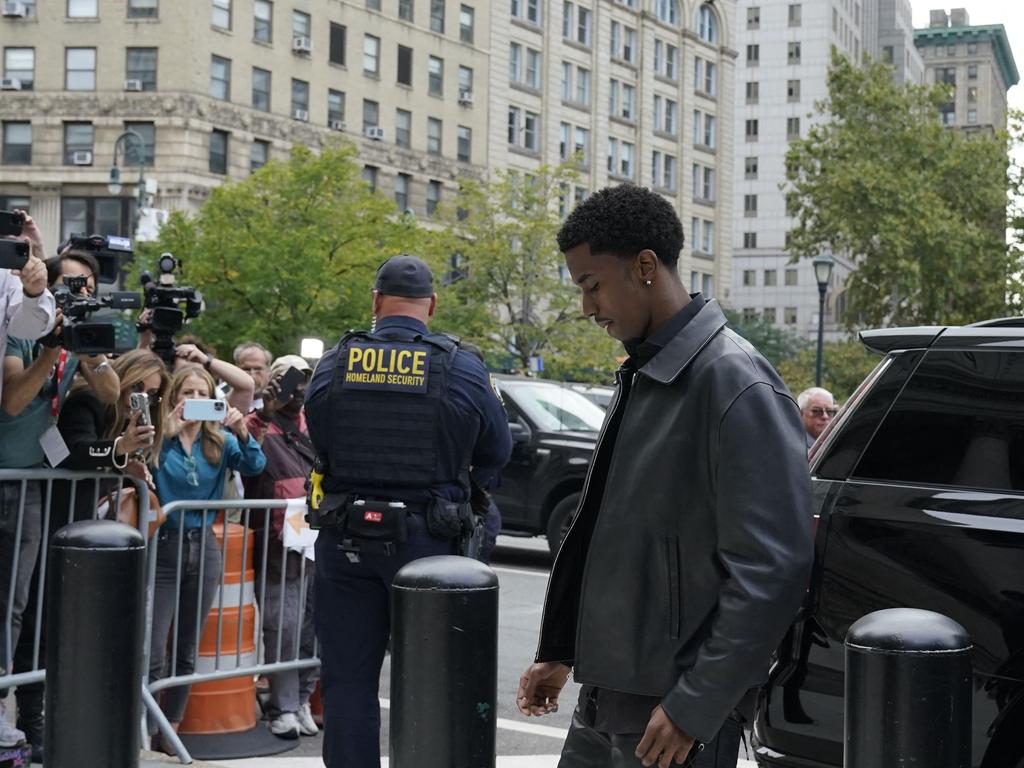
x: 205, y: 410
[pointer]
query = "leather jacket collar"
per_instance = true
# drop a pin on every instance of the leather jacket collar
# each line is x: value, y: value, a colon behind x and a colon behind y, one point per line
x: 675, y: 356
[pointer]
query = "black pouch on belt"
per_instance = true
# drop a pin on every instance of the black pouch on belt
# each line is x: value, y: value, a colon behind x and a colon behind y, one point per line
x: 445, y: 518
x: 377, y: 521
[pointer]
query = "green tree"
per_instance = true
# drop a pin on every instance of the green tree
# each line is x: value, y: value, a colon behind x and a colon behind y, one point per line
x: 504, y: 286
x: 776, y: 344
x: 289, y: 252
x: 922, y: 208
x: 845, y: 364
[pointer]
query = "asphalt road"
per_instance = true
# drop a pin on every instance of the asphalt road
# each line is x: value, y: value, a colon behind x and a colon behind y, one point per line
x: 522, y: 567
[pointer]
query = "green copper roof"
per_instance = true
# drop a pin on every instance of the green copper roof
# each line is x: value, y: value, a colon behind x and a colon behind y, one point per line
x: 993, y: 33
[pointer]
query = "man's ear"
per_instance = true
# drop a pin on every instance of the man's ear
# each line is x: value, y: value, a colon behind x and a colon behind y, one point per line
x: 377, y: 301
x: 433, y: 306
x: 647, y: 265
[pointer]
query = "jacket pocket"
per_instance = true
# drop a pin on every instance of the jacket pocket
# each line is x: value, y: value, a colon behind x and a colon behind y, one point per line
x: 674, y: 596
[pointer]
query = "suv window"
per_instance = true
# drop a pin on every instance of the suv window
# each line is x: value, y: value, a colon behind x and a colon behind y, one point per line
x: 959, y: 421
x: 555, y: 408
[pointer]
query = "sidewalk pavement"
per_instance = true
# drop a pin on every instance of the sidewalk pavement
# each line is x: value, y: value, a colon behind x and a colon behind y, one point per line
x: 155, y: 760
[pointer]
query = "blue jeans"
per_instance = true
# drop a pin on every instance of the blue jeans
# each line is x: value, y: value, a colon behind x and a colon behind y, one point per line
x: 353, y: 623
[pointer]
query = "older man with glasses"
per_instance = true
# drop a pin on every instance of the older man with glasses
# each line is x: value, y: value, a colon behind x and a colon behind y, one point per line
x: 817, y: 408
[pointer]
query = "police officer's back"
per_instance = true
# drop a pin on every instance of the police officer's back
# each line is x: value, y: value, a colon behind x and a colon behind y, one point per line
x: 398, y: 416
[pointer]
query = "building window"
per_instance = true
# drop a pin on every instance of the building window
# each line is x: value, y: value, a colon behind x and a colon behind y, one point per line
x: 583, y: 26
x: 371, y: 114
x: 753, y: 17
x: 467, y: 22
x: 707, y: 24
x: 102, y: 215
x: 524, y: 71
x: 259, y: 154
x: 143, y: 9
x: 147, y: 132
x: 705, y: 77
x: 526, y: 10
x: 141, y: 66
x: 433, y: 136
x: 789, y: 315
x: 792, y: 128
x: 374, y: 5
x: 582, y: 86
x: 403, y: 128
x: 523, y: 129
x: 370, y: 176
x: 435, y: 76
x: 792, y: 90
x: 220, y: 78
x: 337, y: 44
x: 888, y: 54
x: 771, y: 278
x: 749, y: 278
x: 793, y: 53
x: 260, y: 89
x: 433, y: 196
x: 465, y: 83
x: 81, y: 9
x: 335, y: 106
x: 405, y: 10
x: 218, y: 151
x: 623, y: 43
x: 402, y: 182
x: 972, y: 94
x: 437, y: 16
x: 668, y: 11
x: 749, y: 241
x: 465, y: 147
x: 794, y: 14
x: 751, y: 130
x: 20, y: 65
x: 263, y: 21
x: 791, y: 276
x: 972, y: 116
x: 753, y: 91
x: 768, y: 314
x: 302, y: 25
x: 703, y: 183
x: 78, y: 139
x: 753, y: 55
x: 750, y: 205
x: 707, y: 285
x: 404, y: 66
x: 972, y: 71
x: 371, y: 55
x: 221, y: 17
x: 80, y: 74
x: 300, y: 96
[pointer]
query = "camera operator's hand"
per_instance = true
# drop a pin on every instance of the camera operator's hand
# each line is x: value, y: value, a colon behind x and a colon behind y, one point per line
x: 31, y: 232
x: 192, y: 353
x: 135, y: 436
x: 33, y: 276
x: 235, y: 422
x: 145, y: 328
x: 270, y: 395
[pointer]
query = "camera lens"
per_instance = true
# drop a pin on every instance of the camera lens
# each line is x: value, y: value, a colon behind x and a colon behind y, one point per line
x: 219, y: 405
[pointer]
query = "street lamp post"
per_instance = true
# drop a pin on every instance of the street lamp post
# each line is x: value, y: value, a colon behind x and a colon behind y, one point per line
x: 114, y: 185
x: 822, y: 273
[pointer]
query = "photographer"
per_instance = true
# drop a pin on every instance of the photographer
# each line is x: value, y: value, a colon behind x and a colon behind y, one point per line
x: 253, y: 358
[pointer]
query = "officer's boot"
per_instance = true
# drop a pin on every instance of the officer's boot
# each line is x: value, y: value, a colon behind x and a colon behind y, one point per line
x: 31, y: 719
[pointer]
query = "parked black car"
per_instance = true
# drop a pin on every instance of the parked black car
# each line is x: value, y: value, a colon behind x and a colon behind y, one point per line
x: 919, y: 490
x: 554, y: 429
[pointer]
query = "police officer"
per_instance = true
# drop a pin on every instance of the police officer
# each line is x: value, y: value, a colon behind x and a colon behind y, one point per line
x: 398, y: 416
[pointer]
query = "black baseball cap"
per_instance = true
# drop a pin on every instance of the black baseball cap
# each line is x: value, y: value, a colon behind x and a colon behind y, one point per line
x: 406, y: 276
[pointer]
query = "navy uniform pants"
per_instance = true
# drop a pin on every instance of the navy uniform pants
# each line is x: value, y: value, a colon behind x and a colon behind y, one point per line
x: 353, y: 622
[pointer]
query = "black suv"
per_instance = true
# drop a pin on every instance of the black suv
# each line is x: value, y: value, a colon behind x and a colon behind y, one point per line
x: 554, y: 429
x: 919, y: 492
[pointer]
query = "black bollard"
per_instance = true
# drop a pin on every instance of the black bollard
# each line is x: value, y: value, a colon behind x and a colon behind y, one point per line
x: 444, y: 664
x: 908, y: 691
x: 94, y: 634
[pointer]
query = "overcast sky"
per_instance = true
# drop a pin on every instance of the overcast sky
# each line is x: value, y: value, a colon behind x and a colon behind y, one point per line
x: 1009, y: 13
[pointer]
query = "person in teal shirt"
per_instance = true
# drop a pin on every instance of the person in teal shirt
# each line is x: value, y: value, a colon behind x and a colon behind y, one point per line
x: 194, y: 459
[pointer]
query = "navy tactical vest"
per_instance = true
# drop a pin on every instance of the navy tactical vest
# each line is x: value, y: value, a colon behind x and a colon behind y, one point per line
x: 387, y: 391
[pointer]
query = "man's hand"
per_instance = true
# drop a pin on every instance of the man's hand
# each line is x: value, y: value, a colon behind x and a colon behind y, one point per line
x: 191, y: 353
x: 33, y: 276
x: 269, y: 395
x: 663, y: 742
x: 539, y: 688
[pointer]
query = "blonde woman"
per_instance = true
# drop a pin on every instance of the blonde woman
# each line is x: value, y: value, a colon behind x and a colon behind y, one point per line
x: 193, y: 460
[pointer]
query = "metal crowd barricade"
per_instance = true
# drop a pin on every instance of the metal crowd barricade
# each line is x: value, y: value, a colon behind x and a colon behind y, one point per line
x: 49, y: 520
x: 225, y: 665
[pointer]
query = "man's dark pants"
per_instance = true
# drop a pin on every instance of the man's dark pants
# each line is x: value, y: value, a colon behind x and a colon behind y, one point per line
x: 352, y: 614
x: 587, y: 748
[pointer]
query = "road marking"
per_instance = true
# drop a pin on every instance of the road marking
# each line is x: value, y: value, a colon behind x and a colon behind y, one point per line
x: 524, y: 572
x: 515, y: 725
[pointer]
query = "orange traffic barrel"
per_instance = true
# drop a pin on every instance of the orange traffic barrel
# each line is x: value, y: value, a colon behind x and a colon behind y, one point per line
x: 227, y: 706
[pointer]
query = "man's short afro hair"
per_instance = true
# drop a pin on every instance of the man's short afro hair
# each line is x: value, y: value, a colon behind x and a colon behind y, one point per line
x: 623, y: 221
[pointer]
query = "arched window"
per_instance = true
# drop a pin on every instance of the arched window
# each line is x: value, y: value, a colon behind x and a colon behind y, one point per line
x: 707, y: 24
x: 668, y: 11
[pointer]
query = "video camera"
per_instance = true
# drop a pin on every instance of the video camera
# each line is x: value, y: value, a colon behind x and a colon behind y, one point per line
x: 108, y: 250
x: 78, y: 334
x: 164, y: 299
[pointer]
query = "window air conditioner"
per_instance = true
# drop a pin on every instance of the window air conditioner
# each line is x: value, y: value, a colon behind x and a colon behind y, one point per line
x: 15, y: 10
x: 374, y: 132
x: 466, y: 98
x: 10, y: 84
x: 133, y: 85
x: 301, y: 114
x: 336, y: 125
x: 302, y: 45
x: 83, y: 157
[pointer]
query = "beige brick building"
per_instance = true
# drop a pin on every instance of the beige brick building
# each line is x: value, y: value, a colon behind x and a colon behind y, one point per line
x: 430, y: 90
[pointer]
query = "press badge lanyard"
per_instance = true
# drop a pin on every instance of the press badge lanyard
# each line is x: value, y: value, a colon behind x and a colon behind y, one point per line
x: 58, y: 376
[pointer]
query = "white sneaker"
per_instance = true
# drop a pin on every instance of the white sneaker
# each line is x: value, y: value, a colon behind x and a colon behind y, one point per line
x: 307, y: 725
x: 285, y: 726
x: 9, y: 735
